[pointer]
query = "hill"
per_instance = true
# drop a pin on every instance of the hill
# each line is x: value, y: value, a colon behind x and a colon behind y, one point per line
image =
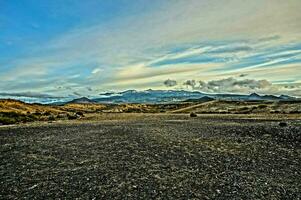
x: 10, y: 105
x: 243, y: 107
x: 82, y: 100
x: 200, y: 100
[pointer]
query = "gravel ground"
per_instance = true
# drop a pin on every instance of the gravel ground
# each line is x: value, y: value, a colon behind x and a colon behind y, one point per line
x: 152, y: 157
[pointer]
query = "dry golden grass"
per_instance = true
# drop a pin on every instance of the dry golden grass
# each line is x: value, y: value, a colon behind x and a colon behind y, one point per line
x: 243, y: 107
x: 39, y: 112
x: 83, y: 107
x: 7, y: 105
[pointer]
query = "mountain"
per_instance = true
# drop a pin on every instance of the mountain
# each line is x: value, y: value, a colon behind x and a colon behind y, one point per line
x: 254, y: 96
x: 257, y: 97
x: 82, y: 100
x: 167, y: 96
x: 286, y: 97
x: 200, y: 100
x: 106, y: 93
x: 149, y: 96
x: 270, y: 97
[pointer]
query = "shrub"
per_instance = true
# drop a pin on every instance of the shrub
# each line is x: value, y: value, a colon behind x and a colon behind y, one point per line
x: 51, y: 118
x: 261, y: 106
x: 282, y: 124
x: 72, y: 117
x: 193, y: 114
x: 244, y: 108
x: 61, y: 116
x: 80, y: 113
x: 294, y: 112
x: 276, y: 111
x: 13, y: 117
x: 7, y: 120
x: 37, y: 113
x: 47, y: 113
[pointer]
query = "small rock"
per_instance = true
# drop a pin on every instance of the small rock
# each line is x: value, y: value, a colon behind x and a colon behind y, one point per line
x: 266, y: 135
x: 282, y: 124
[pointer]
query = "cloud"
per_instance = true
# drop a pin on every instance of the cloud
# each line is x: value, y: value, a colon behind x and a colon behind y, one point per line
x: 143, y: 71
x: 245, y: 86
x: 243, y: 75
x: 190, y: 83
x: 89, y: 89
x: 28, y: 94
x: 77, y: 93
x: 96, y: 70
x: 170, y: 83
x: 231, y: 49
x: 233, y: 85
x: 269, y: 38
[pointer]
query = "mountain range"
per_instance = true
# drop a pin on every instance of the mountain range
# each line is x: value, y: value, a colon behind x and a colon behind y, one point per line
x: 150, y: 97
x: 173, y: 96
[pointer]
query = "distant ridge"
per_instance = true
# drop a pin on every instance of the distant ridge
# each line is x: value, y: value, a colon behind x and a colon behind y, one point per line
x: 200, y: 100
x: 82, y: 100
x: 255, y: 96
x: 286, y: 97
x: 173, y: 96
x: 149, y: 96
x: 271, y: 97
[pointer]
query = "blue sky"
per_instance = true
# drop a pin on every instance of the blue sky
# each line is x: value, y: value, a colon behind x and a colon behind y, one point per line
x: 75, y: 47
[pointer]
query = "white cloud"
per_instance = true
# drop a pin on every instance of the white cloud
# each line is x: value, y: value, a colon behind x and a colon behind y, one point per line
x: 96, y: 71
x: 244, y: 86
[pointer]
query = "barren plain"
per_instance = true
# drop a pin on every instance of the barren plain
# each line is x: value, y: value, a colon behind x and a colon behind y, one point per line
x: 153, y: 156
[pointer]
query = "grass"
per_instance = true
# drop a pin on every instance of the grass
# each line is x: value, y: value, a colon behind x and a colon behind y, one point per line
x: 13, y: 117
x: 23, y: 112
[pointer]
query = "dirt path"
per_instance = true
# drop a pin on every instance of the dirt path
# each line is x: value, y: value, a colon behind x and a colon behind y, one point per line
x: 190, y: 108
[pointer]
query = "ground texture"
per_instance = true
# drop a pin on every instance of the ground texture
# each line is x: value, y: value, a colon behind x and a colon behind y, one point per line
x: 152, y: 157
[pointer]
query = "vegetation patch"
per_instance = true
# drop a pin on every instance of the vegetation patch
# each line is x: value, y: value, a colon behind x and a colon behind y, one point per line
x: 13, y: 117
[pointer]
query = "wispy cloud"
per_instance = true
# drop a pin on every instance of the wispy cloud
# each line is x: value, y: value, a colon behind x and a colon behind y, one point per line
x: 96, y: 70
x: 28, y: 94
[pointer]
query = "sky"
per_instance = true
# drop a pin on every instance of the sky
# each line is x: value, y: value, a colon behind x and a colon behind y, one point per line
x: 82, y: 48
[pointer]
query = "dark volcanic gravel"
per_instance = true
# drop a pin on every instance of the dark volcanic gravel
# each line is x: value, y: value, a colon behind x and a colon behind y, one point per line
x: 152, y: 157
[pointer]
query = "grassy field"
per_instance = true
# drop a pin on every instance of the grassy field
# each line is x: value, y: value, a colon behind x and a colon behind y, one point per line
x: 243, y: 107
x: 153, y: 156
x: 12, y: 111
